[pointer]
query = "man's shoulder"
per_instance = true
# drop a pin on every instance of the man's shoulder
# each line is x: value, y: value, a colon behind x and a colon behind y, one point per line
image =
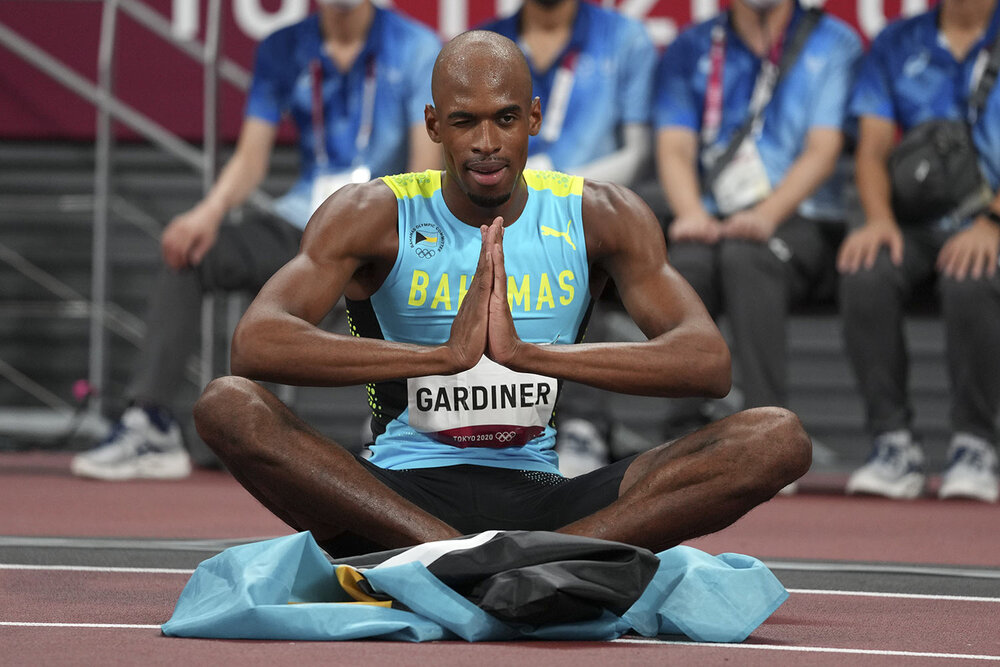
x: 405, y: 31
x: 838, y: 30
x: 610, y: 27
x: 293, y: 33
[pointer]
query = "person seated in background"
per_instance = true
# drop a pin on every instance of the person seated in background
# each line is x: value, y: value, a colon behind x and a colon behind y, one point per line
x: 750, y: 111
x: 354, y: 79
x: 592, y: 69
x: 467, y: 316
x: 919, y: 70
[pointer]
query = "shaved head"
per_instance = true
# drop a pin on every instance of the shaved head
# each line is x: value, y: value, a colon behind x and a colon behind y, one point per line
x: 480, y: 57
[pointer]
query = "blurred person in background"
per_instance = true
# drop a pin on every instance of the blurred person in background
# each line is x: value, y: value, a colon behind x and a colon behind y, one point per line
x: 933, y: 67
x: 750, y: 115
x: 354, y: 79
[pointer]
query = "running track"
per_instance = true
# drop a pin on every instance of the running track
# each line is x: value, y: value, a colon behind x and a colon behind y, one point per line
x: 89, y: 570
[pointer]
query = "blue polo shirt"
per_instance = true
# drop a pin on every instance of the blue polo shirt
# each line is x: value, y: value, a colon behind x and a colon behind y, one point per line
x: 909, y: 76
x: 612, y: 84
x: 814, y: 93
x: 401, y: 54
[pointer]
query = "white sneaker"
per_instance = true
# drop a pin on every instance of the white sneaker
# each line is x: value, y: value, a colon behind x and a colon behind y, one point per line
x: 895, y: 468
x: 972, y: 470
x: 136, y: 448
x: 580, y: 447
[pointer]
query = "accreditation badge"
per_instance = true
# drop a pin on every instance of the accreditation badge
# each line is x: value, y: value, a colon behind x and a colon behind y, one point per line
x: 743, y: 182
x: 325, y: 184
x: 488, y: 405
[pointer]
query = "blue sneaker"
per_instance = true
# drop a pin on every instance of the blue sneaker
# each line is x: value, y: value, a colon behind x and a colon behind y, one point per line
x: 140, y: 446
x: 895, y: 468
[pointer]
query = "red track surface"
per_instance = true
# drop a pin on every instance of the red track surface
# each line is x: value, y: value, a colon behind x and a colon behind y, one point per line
x: 40, y: 498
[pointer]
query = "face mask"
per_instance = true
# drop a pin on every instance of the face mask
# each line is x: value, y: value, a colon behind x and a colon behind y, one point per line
x: 340, y: 4
x: 762, y: 5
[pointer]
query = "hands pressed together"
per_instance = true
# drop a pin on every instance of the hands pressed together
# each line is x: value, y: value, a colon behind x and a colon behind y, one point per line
x: 484, y: 324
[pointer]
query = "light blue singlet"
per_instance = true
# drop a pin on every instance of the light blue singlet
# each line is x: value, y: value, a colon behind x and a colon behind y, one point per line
x: 489, y: 415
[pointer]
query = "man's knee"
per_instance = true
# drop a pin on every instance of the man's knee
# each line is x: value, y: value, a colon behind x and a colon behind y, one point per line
x: 222, y: 406
x: 867, y: 290
x: 783, y: 445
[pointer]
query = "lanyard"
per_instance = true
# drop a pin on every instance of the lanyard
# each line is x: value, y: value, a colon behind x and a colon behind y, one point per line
x: 562, y: 87
x: 762, y: 91
x: 367, y: 112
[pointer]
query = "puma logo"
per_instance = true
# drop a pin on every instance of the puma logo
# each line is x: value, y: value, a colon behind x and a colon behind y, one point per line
x: 548, y: 231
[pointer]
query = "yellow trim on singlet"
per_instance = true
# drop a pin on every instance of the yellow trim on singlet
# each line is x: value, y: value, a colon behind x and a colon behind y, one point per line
x: 407, y: 186
x: 561, y: 185
x: 425, y: 184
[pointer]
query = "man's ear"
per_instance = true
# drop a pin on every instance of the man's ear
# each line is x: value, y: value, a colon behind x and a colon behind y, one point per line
x: 430, y: 121
x: 535, y: 117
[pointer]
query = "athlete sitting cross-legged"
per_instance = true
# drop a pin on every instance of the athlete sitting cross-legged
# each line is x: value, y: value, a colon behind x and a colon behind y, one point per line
x: 468, y: 292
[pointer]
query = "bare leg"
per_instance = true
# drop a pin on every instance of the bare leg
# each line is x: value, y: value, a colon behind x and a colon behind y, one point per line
x: 308, y: 481
x: 704, y: 481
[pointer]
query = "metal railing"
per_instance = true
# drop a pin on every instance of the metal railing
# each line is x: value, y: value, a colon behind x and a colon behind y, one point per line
x: 106, y: 316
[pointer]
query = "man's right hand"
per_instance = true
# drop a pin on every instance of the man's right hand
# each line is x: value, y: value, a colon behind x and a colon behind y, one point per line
x: 471, y: 324
x: 700, y: 228
x: 191, y: 235
x: 862, y: 246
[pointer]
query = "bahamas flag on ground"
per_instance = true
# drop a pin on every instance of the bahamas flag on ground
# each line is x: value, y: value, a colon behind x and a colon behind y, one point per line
x: 496, y: 585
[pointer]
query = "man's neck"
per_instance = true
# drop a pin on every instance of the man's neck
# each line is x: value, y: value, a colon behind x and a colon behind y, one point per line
x: 535, y: 16
x: 966, y: 14
x: 474, y: 215
x: 962, y: 22
x: 760, y: 30
x: 546, y: 30
x: 345, y: 31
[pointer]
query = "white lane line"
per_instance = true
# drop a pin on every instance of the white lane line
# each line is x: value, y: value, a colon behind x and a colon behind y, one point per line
x: 814, y: 649
x: 125, y: 626
x: 910, y: 596
x: 884, y: 568
x: 621, y: 640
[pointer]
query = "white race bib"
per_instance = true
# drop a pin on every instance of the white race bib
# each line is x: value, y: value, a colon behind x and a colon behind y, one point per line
x: 743, y: 182
x: 325, y: 185
x: 486, y: 406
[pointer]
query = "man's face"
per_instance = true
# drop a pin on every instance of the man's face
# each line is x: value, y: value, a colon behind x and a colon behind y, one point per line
x: 483, y: 123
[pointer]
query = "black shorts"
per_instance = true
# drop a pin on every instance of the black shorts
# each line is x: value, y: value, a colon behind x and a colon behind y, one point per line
x: 473, y: 498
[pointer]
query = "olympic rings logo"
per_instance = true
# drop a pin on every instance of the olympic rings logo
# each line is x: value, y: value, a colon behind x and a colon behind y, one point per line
x: 425, y: 253
x: 505, y: 436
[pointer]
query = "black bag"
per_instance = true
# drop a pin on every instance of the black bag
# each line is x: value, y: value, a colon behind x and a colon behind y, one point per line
x: 934, y: 172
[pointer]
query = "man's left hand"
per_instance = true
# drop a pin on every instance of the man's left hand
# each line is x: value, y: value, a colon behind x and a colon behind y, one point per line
x: 971, y: 252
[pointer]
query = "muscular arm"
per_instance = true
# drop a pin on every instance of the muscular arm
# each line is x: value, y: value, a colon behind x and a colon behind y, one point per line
x: 685, y: 355
x: 278, y: 339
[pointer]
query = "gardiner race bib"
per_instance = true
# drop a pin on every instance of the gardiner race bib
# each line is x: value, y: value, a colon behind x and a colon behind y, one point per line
x: 486, y: 406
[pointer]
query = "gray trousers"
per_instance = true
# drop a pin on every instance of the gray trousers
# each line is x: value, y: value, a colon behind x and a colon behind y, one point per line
x: 872, y: 309
x: 755, y: 284
x: 243, y: 258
